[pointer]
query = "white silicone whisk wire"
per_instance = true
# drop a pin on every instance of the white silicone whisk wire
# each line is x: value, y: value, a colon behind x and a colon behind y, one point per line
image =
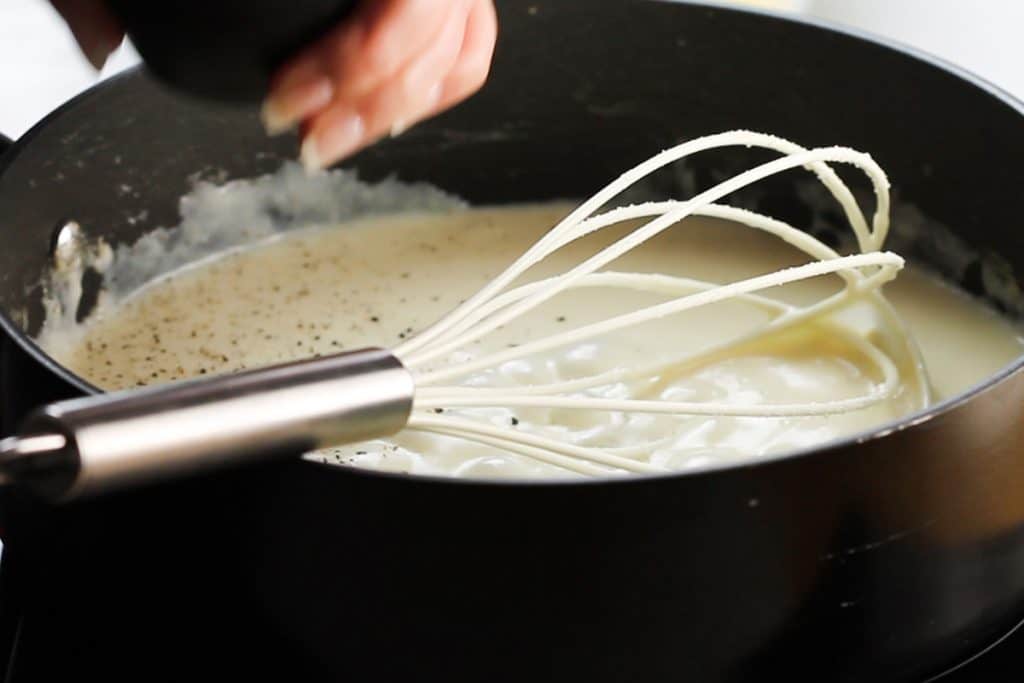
x: 863, y: 274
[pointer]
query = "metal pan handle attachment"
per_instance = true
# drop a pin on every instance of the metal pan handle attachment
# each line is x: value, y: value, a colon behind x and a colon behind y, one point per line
x: 91, y: 445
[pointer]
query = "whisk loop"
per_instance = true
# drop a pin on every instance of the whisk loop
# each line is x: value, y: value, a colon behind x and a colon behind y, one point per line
x: 495, y: 305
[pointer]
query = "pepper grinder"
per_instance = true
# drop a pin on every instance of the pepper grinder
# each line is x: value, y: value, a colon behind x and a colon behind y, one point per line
x: 224, y: 50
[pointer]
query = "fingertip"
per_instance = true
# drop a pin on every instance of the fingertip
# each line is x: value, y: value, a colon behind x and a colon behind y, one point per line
x: 294, y: 101
x: 332, y: 136
x: 309, y: 156
x: 274, y: 122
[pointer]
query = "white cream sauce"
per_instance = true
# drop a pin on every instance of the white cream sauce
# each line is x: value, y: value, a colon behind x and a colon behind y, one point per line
x: 376, y: 281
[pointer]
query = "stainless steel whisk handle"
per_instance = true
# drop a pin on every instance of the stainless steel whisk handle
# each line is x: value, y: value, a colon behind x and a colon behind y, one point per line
x: 101, y: 443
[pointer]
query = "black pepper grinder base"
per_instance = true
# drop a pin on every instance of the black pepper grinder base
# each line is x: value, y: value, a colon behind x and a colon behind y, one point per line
x: 224, y: 50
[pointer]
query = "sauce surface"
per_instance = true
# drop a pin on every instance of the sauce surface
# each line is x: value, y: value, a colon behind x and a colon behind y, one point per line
x: 376, y: 281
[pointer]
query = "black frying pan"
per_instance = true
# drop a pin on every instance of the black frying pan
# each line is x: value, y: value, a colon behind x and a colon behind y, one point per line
x: 889, y: 556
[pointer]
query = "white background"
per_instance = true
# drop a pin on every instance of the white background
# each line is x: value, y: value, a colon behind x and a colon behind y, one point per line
x: 40, y: 66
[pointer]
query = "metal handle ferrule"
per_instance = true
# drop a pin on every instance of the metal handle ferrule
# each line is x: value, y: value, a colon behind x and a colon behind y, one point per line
x: 128, y: 437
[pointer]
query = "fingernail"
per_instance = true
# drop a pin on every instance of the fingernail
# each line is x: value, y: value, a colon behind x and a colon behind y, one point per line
x: 282, y: 110
x: 274, y: 123
x: 333, y: 142
x: 309, y: 156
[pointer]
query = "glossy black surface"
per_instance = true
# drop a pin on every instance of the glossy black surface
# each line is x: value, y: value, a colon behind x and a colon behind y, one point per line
x: 890, y: 559
x: 1002, y: 662
x: 224, y: 50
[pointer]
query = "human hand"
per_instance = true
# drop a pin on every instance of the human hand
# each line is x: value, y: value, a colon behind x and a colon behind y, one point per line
x: 390, y: 65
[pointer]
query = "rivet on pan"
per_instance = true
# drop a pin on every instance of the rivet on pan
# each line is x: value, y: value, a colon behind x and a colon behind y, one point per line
x: 68, y: 240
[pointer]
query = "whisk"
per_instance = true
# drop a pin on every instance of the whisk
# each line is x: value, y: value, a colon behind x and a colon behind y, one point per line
x: 95, y: 444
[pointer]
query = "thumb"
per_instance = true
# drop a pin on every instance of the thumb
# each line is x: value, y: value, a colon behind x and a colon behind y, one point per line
x: 94, y: 27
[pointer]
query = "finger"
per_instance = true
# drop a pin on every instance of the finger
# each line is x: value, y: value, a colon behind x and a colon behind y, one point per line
x: 417, y: 87
x: 305, y: 91
x: 354, y: 59
x: 334, y: 133
x: 94, y: 27
x: 473, y: 65
x: 395, y: 33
